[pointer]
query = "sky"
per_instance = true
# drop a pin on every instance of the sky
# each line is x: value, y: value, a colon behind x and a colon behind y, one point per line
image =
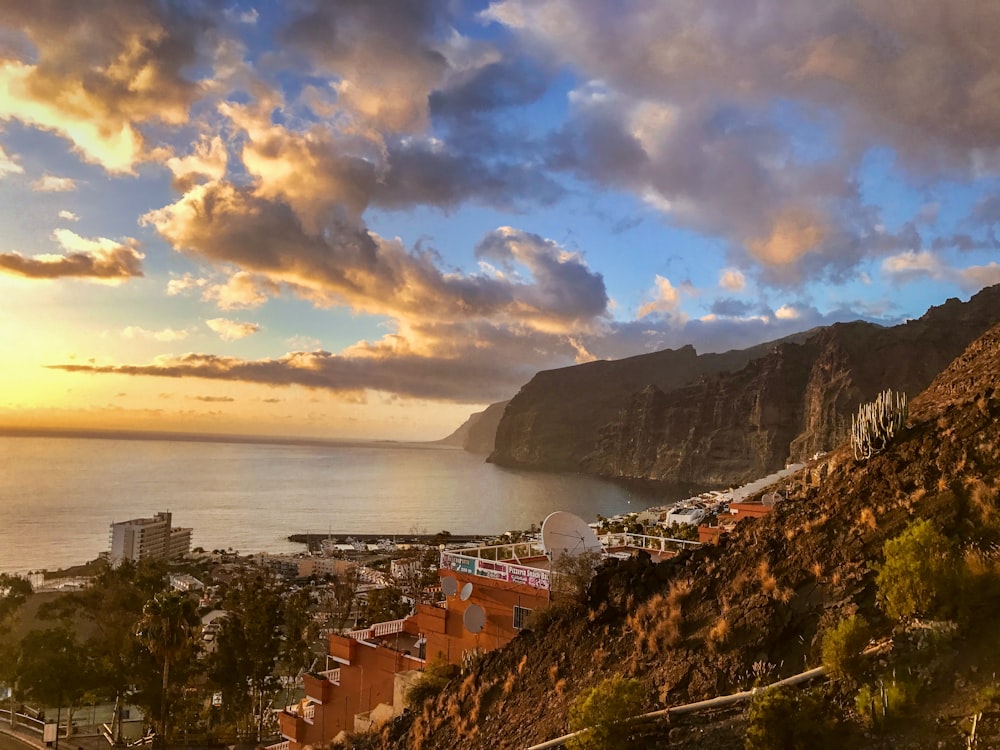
x: 370, y: 218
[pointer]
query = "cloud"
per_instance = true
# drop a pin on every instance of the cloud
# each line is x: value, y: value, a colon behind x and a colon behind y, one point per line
x: 8, y: 164
x: 666, y: 302
x: 977, y: 277
x: 732, y: 279
x: 165, y: 334
x: 384, y: 56
x: 347, y: 265
x: 237, y: 15
x: 101, y: 259
x: 215, y: 399
x: 702, y: 112
x: 241, y: 291
x: 911, y: 266
x: 52, y: 184
x: 232, y: 330
x: 207, y: 160
x: 68, y: 216
x: 119, y: 66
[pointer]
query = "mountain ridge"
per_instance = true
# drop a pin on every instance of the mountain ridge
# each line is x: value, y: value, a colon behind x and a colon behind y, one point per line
x: 721, y: 419
x: 756, y: 607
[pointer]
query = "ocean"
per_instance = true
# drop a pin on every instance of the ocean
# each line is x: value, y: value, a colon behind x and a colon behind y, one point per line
x: 59, y: 495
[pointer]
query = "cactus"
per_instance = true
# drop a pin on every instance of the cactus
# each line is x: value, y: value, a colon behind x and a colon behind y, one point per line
x: 876, y: 423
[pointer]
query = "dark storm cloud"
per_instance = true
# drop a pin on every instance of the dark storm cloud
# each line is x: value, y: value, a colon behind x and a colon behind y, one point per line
x: 511, y: 82
x: 424, y: 173
x: 731, y: 307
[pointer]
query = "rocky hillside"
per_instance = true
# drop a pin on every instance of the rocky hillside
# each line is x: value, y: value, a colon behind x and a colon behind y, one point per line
x: 756, y: 607
x: 720, y: 419
x: 478, y: 433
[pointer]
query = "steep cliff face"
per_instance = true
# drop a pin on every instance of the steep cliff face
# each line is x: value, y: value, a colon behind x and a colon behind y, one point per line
x: 478, y: 433
x: 767, y: 595
x: 555, y: 420
x: 723, y: 427
x: 724, y: 418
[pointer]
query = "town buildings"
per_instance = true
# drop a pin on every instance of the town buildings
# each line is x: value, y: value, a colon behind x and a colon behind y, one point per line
x: 148, y: 539
x: 489, y: 594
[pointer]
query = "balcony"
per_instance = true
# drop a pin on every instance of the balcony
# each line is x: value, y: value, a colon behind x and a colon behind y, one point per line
x: 378, y: 630
x: 318, y: 688
x: 526, y: 564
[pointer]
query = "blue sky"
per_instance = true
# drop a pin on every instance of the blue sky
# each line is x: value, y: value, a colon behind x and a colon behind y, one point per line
x: 369, y: 218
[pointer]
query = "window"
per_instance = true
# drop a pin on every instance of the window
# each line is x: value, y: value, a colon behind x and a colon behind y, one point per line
x: 521, y: 615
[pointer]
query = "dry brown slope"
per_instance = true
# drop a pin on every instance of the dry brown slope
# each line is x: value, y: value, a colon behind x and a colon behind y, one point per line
x: 761, y: 599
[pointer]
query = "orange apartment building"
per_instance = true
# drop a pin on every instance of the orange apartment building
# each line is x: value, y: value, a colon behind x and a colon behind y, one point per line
x: 491, y: 592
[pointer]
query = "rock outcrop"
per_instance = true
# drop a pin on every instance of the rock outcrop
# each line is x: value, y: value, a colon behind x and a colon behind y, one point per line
x: 477, y: 434
x: 718, y: 419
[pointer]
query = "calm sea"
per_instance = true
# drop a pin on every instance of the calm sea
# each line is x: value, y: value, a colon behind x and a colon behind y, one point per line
x: 58, y: 495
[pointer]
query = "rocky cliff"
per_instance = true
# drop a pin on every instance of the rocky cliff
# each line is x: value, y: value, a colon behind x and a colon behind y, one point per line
x: 755, y: 608
x: 721, y: 419
x: 478, y: 433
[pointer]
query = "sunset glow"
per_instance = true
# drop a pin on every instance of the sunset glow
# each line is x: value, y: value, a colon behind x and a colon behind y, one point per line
x: 367, y: 220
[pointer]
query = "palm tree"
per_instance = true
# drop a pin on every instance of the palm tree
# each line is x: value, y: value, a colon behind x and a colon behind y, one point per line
x: 167, y: 628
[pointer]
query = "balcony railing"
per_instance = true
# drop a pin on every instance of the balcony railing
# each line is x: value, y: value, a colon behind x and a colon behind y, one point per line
x: 286, y: 745
x: 378, y: 630
x: 333, y: 675
x: 503, y: 562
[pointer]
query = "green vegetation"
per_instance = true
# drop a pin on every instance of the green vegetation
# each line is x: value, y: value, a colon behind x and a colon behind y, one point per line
x: 791, y: 719
x: 919, y: 573
x: 879, y: 703
x: 248, y: 648
x: 601, y: 710
x: 842, y: 646
x: 436, y: 675
x: 167, y: 629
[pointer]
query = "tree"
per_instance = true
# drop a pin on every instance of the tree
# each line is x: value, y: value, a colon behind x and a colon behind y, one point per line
x: 52, y: 669
x: 14, y: 592
x: 790, y: 719
x: 601, y: 710
x: 918, y: 573
x: 385, y: 605
x: 342, y: 592
x: 112, y: 606
x: 572, y: 575
x: 842, y: 646
x: 167, y: 629
x: 248, y: 647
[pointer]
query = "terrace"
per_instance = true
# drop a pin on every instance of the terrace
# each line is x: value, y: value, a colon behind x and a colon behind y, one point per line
x: 527, y: 563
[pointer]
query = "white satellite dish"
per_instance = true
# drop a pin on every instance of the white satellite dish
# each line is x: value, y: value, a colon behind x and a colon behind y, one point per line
x: 449, y: 586
x: 466, y: 592
x: 567, y: 534
x: 474, y: 618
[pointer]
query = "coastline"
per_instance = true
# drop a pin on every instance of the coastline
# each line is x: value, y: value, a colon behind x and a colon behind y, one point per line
x: 210, y: 437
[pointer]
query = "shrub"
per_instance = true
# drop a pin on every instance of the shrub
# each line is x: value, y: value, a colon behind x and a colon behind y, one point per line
x: 572, y: 574
x: 657, y: 622
x: 602, y: 709
x: 790, y: 719
x: 885, y: 700
x: 436, y: 675
x: 918, y: 574
x: 842, y: 646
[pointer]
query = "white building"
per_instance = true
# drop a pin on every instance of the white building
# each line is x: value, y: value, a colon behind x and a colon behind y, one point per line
x: 148, y: 539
